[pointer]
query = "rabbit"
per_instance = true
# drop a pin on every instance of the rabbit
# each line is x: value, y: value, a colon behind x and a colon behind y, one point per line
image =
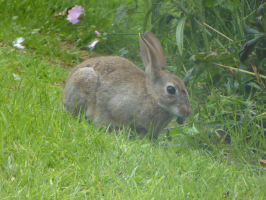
x: 112, y: 90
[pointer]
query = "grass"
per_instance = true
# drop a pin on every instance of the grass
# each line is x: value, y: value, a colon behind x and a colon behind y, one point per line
x: 47, y: 154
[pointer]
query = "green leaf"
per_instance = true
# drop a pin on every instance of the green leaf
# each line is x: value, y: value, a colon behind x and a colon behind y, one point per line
x: 179, y: 35
x: 192, y: 42
x: 104, y: 22
x: 248, y: 48
x: 123, y: 52
x: 131, y: 11
x: 254, y: 85
x: 173, y: 132
x: 261, y: 50
x: 213, y: 3
x: 120, y: 13
x: 250, y: 31
x: 226, y: 57
x: 217, y: 123
x: 190, y: 73
x: 229, y: 91
x: 199, y: 56
x: 261, y: 9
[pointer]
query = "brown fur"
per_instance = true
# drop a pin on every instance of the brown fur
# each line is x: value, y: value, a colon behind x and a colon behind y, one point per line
x: 113, y: 90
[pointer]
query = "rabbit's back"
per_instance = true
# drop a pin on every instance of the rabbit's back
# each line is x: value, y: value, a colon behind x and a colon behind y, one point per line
x: 110, y: 65
x: 105, y: 85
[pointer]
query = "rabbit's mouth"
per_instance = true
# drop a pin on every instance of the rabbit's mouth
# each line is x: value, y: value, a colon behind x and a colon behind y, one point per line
x: 174, y: 112
x: 180, y: 120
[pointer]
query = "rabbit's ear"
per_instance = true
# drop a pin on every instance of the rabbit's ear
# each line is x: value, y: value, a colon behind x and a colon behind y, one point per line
x: 150, y: 59
x: 153, y: 40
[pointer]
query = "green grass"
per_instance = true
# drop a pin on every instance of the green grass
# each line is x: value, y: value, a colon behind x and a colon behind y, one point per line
x: 47, y: 154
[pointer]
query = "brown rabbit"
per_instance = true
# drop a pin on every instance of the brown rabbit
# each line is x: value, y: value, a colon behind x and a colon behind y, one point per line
x: 113, y: 90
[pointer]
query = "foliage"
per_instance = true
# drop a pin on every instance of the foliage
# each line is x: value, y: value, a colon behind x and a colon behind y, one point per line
x: 214, y: 32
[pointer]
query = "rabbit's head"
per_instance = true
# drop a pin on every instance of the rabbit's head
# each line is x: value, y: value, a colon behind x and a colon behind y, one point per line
x: 166, y: 88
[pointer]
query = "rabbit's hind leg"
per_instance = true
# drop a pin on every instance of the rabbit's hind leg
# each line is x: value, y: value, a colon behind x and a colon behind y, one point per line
x: 80, y: 92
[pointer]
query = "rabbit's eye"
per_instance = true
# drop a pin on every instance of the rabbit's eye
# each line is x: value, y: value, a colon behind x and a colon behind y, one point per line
x: 171, y: 89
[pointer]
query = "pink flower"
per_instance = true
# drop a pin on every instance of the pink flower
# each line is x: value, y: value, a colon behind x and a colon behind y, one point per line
x: 93, y: 44
x: 74, y: 14
x: 97, y: 33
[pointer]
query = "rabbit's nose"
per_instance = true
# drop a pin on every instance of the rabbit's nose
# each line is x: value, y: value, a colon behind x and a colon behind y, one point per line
x: 185, y: 110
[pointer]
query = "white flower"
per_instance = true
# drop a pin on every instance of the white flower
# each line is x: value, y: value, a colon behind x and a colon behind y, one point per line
x: 18, y: 42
